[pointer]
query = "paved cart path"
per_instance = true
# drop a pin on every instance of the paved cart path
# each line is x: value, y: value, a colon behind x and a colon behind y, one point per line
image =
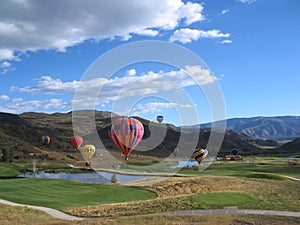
x: 227, y: 210
x: 52, y: 212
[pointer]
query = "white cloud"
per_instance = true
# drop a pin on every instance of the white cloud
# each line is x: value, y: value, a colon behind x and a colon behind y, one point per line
x: 191, y: 12
x: 20, y: 105
x: 246, y: 1
x: 226, y: 41
x: 4, y: 98
x: 157, y: 107
x: 131, y: 72
x: 34, y: 25
x: 48, y: 85
x: 223, y: 12
x: 5, y: 64
x: 147, y: 32
x: 7, y: 54
x: 122, y: 87
x: 186, y: 35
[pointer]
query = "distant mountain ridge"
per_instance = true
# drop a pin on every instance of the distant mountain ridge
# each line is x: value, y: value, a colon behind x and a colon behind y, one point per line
x: 278, y: 128
x: 22, y: 132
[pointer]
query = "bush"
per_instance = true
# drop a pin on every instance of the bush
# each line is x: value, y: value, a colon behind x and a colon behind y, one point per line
x: 7, y: 155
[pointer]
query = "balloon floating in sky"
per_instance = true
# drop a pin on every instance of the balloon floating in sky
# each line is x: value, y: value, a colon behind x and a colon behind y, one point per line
x: 45, y: 139
x: 77, y: 141
x: 126, y: 133
x: 89, y: 151
x: 199, y: 154
x: 159, y: 118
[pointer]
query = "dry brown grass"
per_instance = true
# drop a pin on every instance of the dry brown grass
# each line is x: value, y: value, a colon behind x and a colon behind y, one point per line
x: 173, y: 195
x: 24, y: 215
x: 196, y: 219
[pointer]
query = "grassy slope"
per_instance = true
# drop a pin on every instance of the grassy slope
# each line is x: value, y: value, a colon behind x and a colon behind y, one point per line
x: 56, y: 193
x: 25, y: 216
x: 8, y: 170
x: 206, y: 192
x: 247, y: 169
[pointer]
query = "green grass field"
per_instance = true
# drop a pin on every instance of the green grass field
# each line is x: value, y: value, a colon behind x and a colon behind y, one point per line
x: 221, y: 199
x: 243, y: 169
x: 58, y: 193
x: 267, y: 192
x: 8, y: 170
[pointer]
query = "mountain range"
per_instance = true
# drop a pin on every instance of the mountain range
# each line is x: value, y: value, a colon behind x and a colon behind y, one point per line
x: 252, y: 136
x: 278, y: 128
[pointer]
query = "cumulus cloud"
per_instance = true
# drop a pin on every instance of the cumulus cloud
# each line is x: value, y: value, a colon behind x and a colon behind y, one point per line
x: 7, y: 54
x: 157, y: 107
x: 5, y: 64
x: 4, y: 98
x: 121, y: 87
x: 191, y: 12
x: 20, y: 105
x: 48, y: 85
x: 131, y: 72
x: 34, y: 25
x: 226, y: 41
x: 186, y: 35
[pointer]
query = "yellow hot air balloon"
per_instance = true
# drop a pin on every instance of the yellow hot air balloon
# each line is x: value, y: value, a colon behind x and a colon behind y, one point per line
x: 89, y: 151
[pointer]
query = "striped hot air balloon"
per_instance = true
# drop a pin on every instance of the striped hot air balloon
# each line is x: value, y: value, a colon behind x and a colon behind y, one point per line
x: 45, y: 139
x: 199, y: 154
x: 126, y: 133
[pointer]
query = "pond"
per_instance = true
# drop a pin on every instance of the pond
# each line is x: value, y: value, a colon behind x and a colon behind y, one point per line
x: 182, y: 164
x: 90, y: 177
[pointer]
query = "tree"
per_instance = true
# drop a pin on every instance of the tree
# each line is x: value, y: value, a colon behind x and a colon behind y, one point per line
x: 7, y: 155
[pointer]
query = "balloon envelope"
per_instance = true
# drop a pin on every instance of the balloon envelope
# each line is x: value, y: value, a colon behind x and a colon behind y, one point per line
x: 235, y: 151
x: 89, y: 151
x: 159, y: 119
x: 126, y: 133
x: 199, y: 154
x: 45, y: 139
x: 77, y: 141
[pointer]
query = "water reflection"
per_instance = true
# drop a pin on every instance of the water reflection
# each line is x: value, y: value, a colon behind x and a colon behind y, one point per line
x: 90, y: 177
x: 182, y: 164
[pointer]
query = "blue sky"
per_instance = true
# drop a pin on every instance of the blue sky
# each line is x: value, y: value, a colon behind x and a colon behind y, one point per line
x: 252, y: 49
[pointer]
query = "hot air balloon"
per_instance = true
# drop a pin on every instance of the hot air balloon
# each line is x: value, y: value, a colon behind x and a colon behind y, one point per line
x: 45, y: 139
x: 77, y: 141
x: 159, y: 119
x: 199, y: 154
x: 126, y: 133
x: 235, y: 151
x: 88, y: 152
